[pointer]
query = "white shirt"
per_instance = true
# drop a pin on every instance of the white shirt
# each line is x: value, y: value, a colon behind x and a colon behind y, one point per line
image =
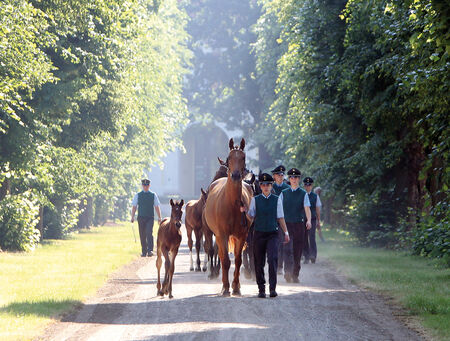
x: 305, y: 200
x: 135, y: 199
x: 252, y: 208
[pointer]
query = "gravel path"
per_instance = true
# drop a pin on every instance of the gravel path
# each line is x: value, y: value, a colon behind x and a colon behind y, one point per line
x: 324, y: 306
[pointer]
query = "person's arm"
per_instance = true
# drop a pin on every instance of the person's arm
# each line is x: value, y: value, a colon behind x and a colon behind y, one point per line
x: 251, y: 211
x: 280, y: 218
x: 158, y: 212
x: 134, y: 204
x: 318, y: 207
x: 307, y: 206
x: 133, y: 211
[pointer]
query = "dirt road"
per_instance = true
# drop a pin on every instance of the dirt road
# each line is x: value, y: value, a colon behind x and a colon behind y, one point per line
x: 324, y: 306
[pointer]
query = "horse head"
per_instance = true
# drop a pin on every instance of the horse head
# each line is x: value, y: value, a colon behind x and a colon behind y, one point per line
x: 236, y: 160
x: 204, y: 196
x: 177, y: 212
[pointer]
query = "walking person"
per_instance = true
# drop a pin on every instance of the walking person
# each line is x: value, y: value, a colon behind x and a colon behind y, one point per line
x: 266, y: 209
x: 310, y: 250
x: 146, y: 202
x: 278, y: 186
x: 296, y: 207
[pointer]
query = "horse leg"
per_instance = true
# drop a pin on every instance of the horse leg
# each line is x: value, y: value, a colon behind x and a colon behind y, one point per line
x: 158, y: 266
x: 245, y: 261
x: 166, y: 275
x: 209, y: 250
x: 238, y: 245
x: 173, y: 254
x: 198, y: 239
x: 190, y: 243
x: 216, y: 260
x: 222, y: 242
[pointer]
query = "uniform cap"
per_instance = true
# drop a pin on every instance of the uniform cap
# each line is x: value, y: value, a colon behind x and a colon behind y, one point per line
x: 265, y: 178
x: 145, y: 181
x: 294, y: 172
x: 279, y: 170
x: 308, y: 180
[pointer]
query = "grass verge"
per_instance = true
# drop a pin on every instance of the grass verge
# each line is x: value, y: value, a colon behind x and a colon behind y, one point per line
x: 35, y: 287
x: 419, y: 285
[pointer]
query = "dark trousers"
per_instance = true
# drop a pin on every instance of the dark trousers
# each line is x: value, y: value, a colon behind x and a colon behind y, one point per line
x: 280, y: 247
x: 310, y: 249
x: 292, y: 251
x: 146, y: 233
x: 266, y: 243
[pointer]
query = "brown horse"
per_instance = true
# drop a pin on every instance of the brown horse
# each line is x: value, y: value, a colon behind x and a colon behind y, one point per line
x: 223, y: 216
x: 169, y: 239
x: 193, y: 222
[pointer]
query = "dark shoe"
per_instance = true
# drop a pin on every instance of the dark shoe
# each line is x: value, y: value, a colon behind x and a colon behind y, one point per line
x: 262, y: 294
x: 143, y: 255
x: 295, y: 280
x: 306, y: 261
x: 273, y: 293
x: 150, y: 254
x: 313, y: 260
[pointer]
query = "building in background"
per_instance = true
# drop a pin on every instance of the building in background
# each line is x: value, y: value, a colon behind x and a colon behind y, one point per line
x: 183, y: 174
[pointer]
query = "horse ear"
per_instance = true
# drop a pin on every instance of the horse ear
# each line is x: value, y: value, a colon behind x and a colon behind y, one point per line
x: 221, y: 161
x: 252, y: 179
x: 203, y: 191
x: 171, y: 202
x: 231, y: 144
x: 242, y: 144
x: 181, y: 202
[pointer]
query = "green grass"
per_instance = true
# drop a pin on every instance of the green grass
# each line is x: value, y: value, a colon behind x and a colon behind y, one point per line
x: 420, y: 285
x: 36, y: 287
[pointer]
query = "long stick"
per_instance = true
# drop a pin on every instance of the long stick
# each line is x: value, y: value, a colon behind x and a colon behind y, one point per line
x: 134, y: 234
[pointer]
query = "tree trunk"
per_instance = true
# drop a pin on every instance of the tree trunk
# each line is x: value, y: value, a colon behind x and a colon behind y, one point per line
x: 5, y: 188
x: 415, y: 158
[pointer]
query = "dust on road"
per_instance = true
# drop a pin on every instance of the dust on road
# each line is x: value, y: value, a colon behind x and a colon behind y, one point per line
x: 324, y: 306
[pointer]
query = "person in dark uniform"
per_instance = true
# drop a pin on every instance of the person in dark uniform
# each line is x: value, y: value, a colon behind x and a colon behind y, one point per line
x: 145, y: 201
x: 310, y: 250
x: 278, y: 186
x: 297, y: 212
x: 267, y: 211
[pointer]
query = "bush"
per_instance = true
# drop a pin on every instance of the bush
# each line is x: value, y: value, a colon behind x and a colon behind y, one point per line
x: 61, y: 218
x: 19, y: 216
x: 432, y: 236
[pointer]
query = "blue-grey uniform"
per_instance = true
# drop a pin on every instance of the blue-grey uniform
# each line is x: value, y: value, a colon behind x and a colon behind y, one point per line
x: 266, y: 211
x: 294, y: 202
x: 310, y: 249
x: 277, y: 189
x: 145, y: 202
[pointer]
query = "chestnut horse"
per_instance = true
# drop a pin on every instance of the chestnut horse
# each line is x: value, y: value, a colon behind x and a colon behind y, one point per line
x: 169, y: 239
x: 223, y: 215
x: 193, y: 222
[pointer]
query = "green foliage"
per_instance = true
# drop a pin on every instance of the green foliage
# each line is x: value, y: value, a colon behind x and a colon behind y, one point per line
x: 432, y: 236
x: 93, y: 96
x: 361, y: 103
x: 18, y: 218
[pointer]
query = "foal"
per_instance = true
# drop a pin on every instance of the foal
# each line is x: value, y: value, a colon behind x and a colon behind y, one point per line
x: 169, y: 239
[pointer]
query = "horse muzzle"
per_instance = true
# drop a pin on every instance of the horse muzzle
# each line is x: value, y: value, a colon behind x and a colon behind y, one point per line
x: 236, y: 176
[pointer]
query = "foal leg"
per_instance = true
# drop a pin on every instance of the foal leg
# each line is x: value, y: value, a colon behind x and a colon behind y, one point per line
x: 198, y: 239
x: 173, y: 254
x: 190, y: 243
x: 158, y: 266
x: 222, y: 242
x: 166, y: 275
x: 238, y: 245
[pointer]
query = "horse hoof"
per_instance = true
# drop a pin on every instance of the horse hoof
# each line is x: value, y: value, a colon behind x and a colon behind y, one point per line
x: 198, y: 269
x: 160, y: 293
x: 204, y: 269
x: 192, y: 269
x: 170, y: 296
x: 225, y: 292
x: 236, y: 292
